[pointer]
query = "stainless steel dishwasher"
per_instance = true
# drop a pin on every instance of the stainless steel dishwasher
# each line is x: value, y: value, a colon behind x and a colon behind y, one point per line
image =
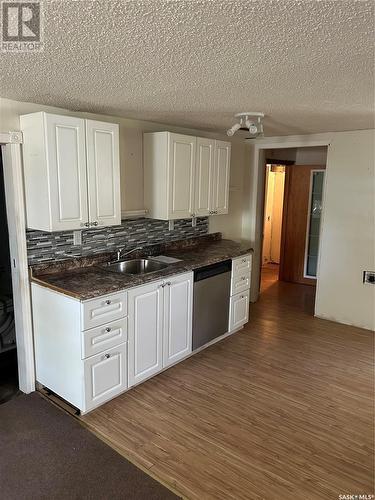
x: 211, y: 302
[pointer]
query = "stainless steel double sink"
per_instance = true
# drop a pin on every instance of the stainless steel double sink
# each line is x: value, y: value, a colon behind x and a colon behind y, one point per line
x: 135, y: 266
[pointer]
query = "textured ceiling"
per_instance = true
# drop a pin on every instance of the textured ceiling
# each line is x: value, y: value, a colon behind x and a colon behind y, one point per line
x: 308, y: 64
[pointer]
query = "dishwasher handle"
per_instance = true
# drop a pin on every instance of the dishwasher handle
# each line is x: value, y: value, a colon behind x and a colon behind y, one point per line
x: 212, y: 270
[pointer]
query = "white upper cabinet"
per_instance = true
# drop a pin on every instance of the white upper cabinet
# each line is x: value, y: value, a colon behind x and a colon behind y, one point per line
x: 220, y: 186
x: 71, y: 171
x: 204, y: 175
x: 169, y: 170
x: 185, y: 176
x: 181, y: 170
x: 103, y: 169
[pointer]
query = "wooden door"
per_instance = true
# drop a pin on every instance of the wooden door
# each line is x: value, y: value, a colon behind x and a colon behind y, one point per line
x: 181, y: 176
x: 178, y: 309
x: 103, y: 168
x: 204, y: 174
x: 66, y: 152
x: 220, y: 186
x: 145, y: 331
x: 295, y: 223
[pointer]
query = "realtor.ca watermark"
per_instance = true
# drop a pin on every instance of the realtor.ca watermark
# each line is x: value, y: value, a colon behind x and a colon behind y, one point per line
x: 21, y: 26
x: 356, y: 496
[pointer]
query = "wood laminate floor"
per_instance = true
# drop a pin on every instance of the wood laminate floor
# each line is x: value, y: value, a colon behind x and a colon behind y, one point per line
x: 280, y: 410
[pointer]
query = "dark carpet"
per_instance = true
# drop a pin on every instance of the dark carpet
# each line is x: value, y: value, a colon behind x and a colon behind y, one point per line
x: 8, y: 376
x: 47, y: 454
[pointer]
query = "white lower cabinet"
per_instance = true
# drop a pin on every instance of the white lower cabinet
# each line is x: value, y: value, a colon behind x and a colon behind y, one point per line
x: 160, y: 325
x: 177, y: 331
x: 89, y: 352
x: 240, y: 292
x: 239, y: 310
x: 145, y: 331
x: 105, y: 376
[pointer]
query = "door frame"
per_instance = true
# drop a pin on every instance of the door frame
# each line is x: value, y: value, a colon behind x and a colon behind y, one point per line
x: 10, y: 143
x: 256, y: 199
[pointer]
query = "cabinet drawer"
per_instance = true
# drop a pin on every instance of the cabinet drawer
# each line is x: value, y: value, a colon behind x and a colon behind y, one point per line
x: 105, y: 376
x: 241, y: 265
x: 104, y: 309
x: 104, y: 337
x: 240, y: 283
x: 239, y: 310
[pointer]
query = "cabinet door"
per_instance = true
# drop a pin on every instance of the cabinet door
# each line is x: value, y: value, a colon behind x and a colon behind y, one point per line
x: 239, y: 310
x: 105, y: 376
x: 177, y: 335
x: 220, y: 186
x: 66, y: 157
x: 181, y: 169
x: 204, y: 175
x: 145, y: 324
x: 103, y: 168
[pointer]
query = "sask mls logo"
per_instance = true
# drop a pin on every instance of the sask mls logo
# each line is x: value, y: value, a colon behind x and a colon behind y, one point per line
x: 21, y: 24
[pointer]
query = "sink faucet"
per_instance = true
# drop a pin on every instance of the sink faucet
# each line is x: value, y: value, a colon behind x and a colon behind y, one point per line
x: 120, y: 254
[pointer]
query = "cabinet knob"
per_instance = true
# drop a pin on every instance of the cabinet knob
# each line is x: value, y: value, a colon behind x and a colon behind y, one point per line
x: 107, y: 356
x: 216, y: 212
x: 243, y: 278
x: 108, y: 330
x: 86, y: 224
x: 168, y: 283
x: 108, y: 302
x: 95, y: 223
x: 243, y: 260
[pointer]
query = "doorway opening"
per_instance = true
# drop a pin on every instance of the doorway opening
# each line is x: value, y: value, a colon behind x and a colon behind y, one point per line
x: 9, y: 386
x: 293, y: 203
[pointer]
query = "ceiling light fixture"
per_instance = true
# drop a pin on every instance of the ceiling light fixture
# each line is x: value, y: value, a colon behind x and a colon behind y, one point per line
x: 251, y: 121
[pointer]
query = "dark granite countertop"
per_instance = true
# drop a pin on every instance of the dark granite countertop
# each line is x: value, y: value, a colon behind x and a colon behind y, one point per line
x: 91, y: 281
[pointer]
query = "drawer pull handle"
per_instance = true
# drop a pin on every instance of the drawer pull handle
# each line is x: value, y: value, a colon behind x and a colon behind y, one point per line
x: 108, y: 302
x: 107, y: 356
x: 108, y: 330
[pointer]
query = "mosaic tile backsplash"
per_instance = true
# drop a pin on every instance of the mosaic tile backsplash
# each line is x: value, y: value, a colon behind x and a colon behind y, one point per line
x: 42, y: 247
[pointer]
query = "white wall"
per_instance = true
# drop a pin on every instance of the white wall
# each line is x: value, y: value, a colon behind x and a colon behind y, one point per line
x: 347, y: 239
x: 311, y: 156
x: 301, y: 156
x: 131, y: 152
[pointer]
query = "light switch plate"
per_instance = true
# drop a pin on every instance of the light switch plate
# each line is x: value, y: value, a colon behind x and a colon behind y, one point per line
x: 369, y: 277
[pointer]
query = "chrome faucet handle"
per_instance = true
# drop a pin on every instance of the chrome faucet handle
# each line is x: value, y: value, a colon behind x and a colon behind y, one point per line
x: 119, y: 251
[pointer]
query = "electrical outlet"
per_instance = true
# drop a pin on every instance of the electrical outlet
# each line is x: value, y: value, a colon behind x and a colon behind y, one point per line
x: 194, y: 222
x: 171, y: 225
x: 369, y: 277
x: 77, y: 237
